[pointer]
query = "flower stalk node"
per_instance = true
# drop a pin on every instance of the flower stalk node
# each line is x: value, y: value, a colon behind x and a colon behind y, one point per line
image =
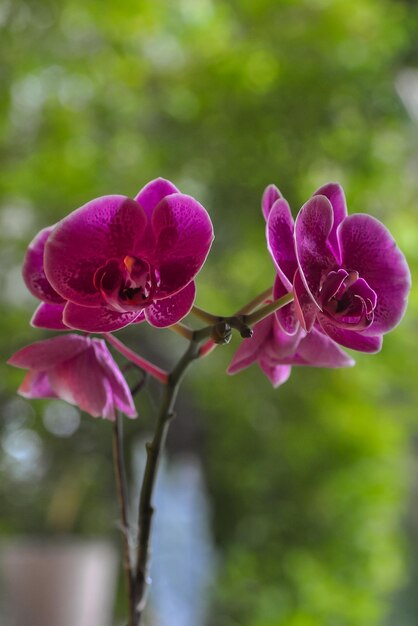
x: 221, y: 333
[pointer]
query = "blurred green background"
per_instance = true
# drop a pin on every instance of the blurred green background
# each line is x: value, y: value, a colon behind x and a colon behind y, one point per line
x: 312, y: 487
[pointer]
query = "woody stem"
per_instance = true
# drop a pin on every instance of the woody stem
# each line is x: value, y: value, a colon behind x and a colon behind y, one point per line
x: 122, y: 492
x: 154, y: 450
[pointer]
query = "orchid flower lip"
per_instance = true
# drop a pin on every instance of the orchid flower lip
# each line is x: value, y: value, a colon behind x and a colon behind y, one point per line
x: 347, y: 299
x: 127, y: 284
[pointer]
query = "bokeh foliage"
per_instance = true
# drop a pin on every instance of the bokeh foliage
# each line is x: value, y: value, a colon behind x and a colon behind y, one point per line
x: 309, y: 482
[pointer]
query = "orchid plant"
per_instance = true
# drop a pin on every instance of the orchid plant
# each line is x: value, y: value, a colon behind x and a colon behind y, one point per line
x: 340, y: 281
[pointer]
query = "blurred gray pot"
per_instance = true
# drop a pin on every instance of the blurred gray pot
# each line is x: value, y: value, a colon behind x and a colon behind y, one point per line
x: 58, y: 583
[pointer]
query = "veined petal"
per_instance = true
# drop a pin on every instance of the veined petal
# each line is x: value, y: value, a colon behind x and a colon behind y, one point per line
x: 369, y: 248
x: 43, y: 355
x: 105, y: 228
x: 318, y: 350
x: 280, y: 241
x: 277, y: 374
x: 82, y: 381
x: 184, y: 235
x: 361, y: 322
x: 49, y: 316
x: 171, y: 310
x: 153, y: 193
x: 249, y: 349
x: 36, y: 385
x: 122, y: 397
x: 335, y: 194
x: 33, y: 269
x: 350, y: 338
x: 270, y: 195
x: 282, y: 344
x: 332, y: 285
x: 140, y: 318
x: 305, y: 307
x: 313, y: 226
x: 286, y: 316
x: 97, y: 319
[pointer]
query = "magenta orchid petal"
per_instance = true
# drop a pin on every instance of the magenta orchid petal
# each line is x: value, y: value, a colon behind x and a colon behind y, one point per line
x: 348, y: 304
x: 36, y: 385
x: 79, y: 381
x: 270, y: 195
x: 48, y: 353
x: 97, y: 319
x: 318, y: 350
x: 110, y: 227
x: 366, y: 293
x: 122, y: 398
x: 49, y: 316
x: 332, y: 285
x: 171, y: 310
x: 174, y: 275
x: 280, y: 241
x: 184, y: 235
x: 248, y: 349
x: 350, y: 338
x: 286, y: 315
x: 77, y: 369
x: 269, y: 346
x: 276, y: 352
x: 369, y: 248
x: 335, y: 194
x: 305, y: 308
x: 277, y: 374
x: 141, y: 318
x: 360, y: 322
x: 282, y: 344
x: 313, y: 225
x: 33, y: 269
x: 153, y: 193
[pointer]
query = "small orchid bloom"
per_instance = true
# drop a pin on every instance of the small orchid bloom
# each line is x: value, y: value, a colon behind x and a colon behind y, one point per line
x: 276, y: 351
x: 356, y: 278
x: 349, y: 278
x: 117, y: 261
x: 77, y: 369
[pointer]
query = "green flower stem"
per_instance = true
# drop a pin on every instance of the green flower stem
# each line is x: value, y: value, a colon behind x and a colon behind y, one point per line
x: 209, y: 318
x: 205, y: 316
x: 266, y: 310
x: 253, y: 304
x: 183, y: 330
x: 147, y: 366
x: 122, y: 492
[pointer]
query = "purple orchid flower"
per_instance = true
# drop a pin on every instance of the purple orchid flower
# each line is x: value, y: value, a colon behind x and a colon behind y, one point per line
x: 77, y: 369
x: 116, y: 261
x: 349, y: 278
x: 276, y: 351
x: 279, y: 341
x: 357, y: 279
